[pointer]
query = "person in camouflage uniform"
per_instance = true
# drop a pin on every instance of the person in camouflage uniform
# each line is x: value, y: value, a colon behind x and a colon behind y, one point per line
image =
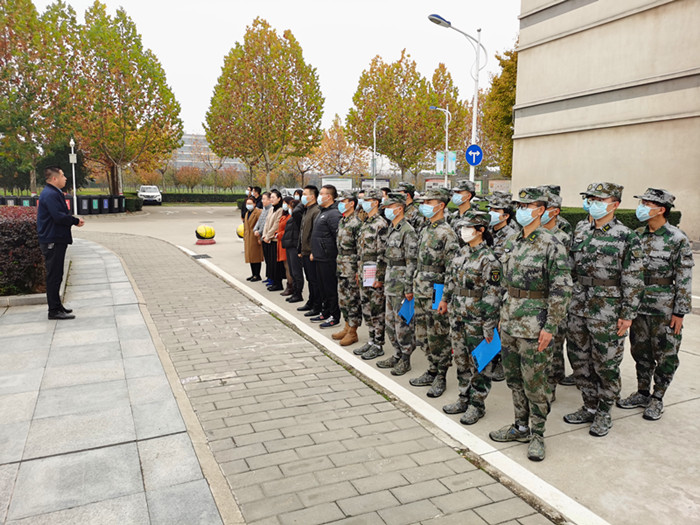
x: 549, y: 221
x: 400, y: 260
x: 655, y: 334
x: 436, y: 247
x: 562, y: 224
x: 371, y: 244
x: 472, y: 297
x: 411, y: 212
x: 502, y: 226
x: 348, y: 287
x: 361, y: 213
x: 537, y: 282
x: 462, y: 195
x: 608, y: 284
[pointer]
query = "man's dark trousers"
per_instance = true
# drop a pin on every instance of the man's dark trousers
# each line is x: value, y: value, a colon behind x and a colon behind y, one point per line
x: 312, y: 278
x: 328, y: 287
x: 54, y: 258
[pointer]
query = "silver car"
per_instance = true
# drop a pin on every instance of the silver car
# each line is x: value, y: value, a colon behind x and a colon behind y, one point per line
x: 150, y: 194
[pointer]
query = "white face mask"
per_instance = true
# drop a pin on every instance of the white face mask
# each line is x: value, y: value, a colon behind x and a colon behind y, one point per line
x: 468, y: 233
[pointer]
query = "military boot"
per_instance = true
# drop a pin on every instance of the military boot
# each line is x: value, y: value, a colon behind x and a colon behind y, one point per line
x: 511, y: 433
x: 567, y: 380
x: 635, y: 400
x: 602, y: 423
x: 388, y: 363
x: 498, y: 373
x: 458, y: 407
x: 582, y: 415
x: 472, y: 415
x: 374, y: 351
x: 425, y: 380
x: 350, y: 336
x: 439, y: 386
x: 403, y: 366
x: 339, y: 335
x: 535, y: 450
x: 363, y: 348
x: 654, y: 410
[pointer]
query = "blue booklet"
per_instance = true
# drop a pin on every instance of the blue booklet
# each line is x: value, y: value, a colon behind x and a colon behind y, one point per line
x: 485, y: 352
x: 408, y: 308
x: 437, y: 295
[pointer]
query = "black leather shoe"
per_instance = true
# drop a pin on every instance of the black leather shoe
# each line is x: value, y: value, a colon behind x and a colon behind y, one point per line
x: 275, y: 288
x: 304, y: 308
x: 61, y: 315
x: 250, y: 278
x: 295, y: 299
x: 255, y: 279
x: 67, y: 310
x: 312, y: 313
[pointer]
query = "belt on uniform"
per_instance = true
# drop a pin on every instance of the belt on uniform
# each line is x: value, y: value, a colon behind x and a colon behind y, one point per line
x: 397, y: 262
x: 428, y: 268
x: 657, y: 280
x: 346, y: 253
x: 466, y: 292
x: 526, y: 294
x: 590, y: 281
x: 368, y: 258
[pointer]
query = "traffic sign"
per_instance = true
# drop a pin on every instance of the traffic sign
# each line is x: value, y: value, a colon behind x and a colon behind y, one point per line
x: 474, y: 155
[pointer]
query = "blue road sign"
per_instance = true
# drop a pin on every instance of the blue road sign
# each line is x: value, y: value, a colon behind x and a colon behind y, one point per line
x: 474, y: 155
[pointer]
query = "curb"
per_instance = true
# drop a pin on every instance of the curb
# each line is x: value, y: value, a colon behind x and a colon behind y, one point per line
x: 500, y: 465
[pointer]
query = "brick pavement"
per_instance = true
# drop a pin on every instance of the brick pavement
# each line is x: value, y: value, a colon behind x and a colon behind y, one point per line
x: 298, y: 437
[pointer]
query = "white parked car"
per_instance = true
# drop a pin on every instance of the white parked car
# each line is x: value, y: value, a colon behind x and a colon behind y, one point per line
x: 150, y: 194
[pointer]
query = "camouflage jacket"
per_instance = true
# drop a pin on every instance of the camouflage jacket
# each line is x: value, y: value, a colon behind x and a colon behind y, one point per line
x: 400, y: 258
x: 361, y: 214
x: 414, y: 217
x: 348, y: 233
x: 564, y: 237
x: 608, y: 276
x: 475, y: 270
x: 500, y: 236
x: 436, y: 247
x: 667, y: 256
x: 455, y: 216
x: 564, y: 225
x: 537, y: 263
x: 371, y: 243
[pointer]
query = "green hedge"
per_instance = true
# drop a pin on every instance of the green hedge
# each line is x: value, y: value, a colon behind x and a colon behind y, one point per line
x: 21, y: 262
x: 203, y: 197
x: 133, y: 204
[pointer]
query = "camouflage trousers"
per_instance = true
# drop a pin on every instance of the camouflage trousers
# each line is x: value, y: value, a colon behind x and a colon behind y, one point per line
x: 526, y: 375
x: 399, y: 333
x: 433, y: 335
x: 556, y: 365
x: 655, y: 352
x: 349, y: 300
x: 465, y: 335
x: 373, y: 305
x: 595, y: 353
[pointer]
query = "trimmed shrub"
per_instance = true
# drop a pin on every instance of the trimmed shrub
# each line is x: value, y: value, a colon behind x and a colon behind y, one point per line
x: 133, y: 204
x: 203, y: 197
x: 21, y: 262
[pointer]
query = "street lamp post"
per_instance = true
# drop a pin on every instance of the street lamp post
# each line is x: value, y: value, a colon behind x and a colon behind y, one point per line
x: 73, y: 159
x: 374, y: 151
x: 476, y: 44
x: 448, y: 119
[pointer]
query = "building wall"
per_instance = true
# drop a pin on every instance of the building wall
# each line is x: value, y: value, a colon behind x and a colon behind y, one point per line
x: 609, y: 90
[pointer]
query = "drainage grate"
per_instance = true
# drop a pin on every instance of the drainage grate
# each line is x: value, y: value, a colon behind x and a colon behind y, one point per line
x: 201, y: 256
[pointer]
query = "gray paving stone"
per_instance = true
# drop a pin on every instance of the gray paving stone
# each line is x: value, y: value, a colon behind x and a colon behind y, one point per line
x: 467, y: 517
x: 460, y: 464
x: 272, y: 458
x: 504, y: 510
x: 379, y: 482
x: 151, y: 389
x: 288, y: 443
x: 368, y: 502
x: 434, y: 456
x: 270, y: 506
x: 187, y: 503
x: 534, y: 519
x: 124, y: 510
x: 257, y: 437
x: 348, y: 472
x: 255, y: 477
x: 17, y: 407
x: 143, y: 366
x: 462, y: 500
x: 72, y: 432
x: 496, y: 492
x: 324, y: 449
x: 289, y: 484
x: 168, y: 460
x: 23, y: 381
x: 306, y: 465
x: 8, y: 473
x: 409, y: 513
x: 426, y: 472
x: 79, y: 399
x: 81, y: 373
x: 234, y: 467
x: 326, y: 493
x: 354, y: 456
x: 68, y: 355
x: 157, y: 419
x: 324, y: 513
x: 61, y: 482
x: 418, y: 491
x: 467, y: 480
x: 399, y: 449
x: 375, y: 440
x: 396, y: 463
x: 18, y: 359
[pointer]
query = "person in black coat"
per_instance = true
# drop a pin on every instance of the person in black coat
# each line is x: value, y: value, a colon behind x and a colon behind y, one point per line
x: 53, y: 224
x: 290, y: 242
x: 324, y: 252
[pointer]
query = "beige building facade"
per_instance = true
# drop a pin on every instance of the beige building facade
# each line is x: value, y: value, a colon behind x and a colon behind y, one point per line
x: 609, y: 90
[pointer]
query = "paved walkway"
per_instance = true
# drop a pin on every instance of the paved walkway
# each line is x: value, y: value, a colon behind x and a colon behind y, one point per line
x: 90, y: 431
x: 298, y: 437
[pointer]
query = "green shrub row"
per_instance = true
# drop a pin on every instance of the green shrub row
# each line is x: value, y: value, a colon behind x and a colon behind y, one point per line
x: 21, y: 262
x: 203, y: 197
x: 133, y: 204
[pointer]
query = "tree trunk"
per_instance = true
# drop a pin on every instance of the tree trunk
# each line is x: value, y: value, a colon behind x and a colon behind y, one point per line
x: 32, y: 181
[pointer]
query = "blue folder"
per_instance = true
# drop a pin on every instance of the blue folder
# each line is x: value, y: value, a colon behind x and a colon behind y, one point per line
x: 485, y: 352
x: 408, y: 308
x: 437, y: 295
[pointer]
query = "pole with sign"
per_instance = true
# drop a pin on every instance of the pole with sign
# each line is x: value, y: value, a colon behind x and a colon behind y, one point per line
x: 73, y: 159
x: 474, y: 155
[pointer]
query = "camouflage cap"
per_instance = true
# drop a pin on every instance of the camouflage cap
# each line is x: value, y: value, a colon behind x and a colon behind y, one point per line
x: 406, y: 186
x: 553, y: 199
x: 373, y: 193
x: 440, y: 194
x: 657, y: 195
x: 604, y: 190
x: 476, y: 218
x: 553, y: 189
x: 530, y: 194
x: 465, y: 185
x: 500, y: 200
x: 346, y: 194
x: 394, y: 198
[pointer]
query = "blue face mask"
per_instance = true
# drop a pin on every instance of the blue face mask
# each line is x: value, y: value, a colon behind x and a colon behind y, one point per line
x: 367, y: 206
x: 546, y: 217
x: 644, y: 212
x: 250, y: 207
x: 524, y: 216
x: 586, y: 205
x: 389, y: 214
x: 458, y: 199
x: 426, y: 210
x: 598, y: 209
x: 285, y: 206
x: 360, y: 202
x: 495, y: 218
x: 304, y: 200
x: 342, y: 208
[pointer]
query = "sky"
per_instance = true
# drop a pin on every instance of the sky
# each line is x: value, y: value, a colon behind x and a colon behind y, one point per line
x: 338, y: 37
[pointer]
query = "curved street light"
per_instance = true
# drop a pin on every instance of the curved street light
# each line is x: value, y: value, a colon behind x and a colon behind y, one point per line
x: 448, y: 119
x: 478, y: 47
